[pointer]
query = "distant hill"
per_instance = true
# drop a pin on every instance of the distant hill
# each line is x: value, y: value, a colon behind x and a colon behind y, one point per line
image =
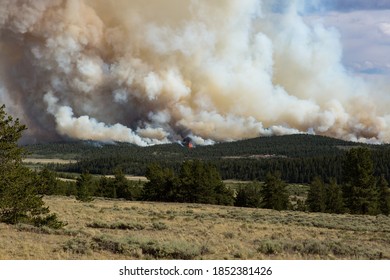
x: 300, y: 157
x: 299, y: 145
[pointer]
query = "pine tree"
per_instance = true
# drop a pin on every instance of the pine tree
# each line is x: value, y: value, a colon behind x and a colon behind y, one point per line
x: 334, y: 198
x: 84, y: 187
x: 120, y: 185
x: 384, y: 196
x: 274, y: 193
x: 359, y: 190
x: 106, y: 188
x: 202, y: 183
x: 48, y: 182
x: 126, y: 189
x: 10, y: 153
x: 316, y: 198
x: 161, y: 185
x: 195, y: 183
x: 20, y: 198
x: 249, y: 196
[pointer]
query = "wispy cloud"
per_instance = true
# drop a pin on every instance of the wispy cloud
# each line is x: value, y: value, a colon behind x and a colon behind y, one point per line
x: 364, y: 28
x: 354, y: 5
x: 384, y: 27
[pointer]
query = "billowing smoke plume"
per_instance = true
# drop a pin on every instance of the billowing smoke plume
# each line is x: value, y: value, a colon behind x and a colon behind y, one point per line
x: 150, y: 72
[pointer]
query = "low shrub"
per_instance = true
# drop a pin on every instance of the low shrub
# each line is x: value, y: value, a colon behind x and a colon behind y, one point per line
x: 119, y: 225
x: 107, y: 244
x: 80, y: 246
x: 270, y: 247
x: 50, y: 221
x: 159, y: 226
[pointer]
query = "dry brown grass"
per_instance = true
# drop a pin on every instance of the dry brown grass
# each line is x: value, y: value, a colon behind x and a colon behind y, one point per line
x: 114, y: 229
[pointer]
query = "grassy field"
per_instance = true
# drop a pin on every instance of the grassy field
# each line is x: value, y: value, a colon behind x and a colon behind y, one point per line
x: 114, y: 229
x: 38, y: 163
x: 47, y: 161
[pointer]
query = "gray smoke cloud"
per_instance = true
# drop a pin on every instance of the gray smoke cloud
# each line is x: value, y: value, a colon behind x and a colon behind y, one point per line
x: 151, y: 72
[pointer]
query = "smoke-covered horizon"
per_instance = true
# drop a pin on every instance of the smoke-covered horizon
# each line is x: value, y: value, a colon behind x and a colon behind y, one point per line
x: 155, y: 72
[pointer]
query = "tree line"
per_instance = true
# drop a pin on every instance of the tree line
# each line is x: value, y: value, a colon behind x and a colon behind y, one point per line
x: 297, y: 164
x: 86, y: 186
x: 197, y: 182
x: 360, y: 191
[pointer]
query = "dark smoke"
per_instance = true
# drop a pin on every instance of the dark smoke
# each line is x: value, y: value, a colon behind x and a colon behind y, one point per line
x: 152, y: 72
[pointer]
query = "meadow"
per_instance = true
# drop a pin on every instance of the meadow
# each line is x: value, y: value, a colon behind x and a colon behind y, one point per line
x: 116, y: 229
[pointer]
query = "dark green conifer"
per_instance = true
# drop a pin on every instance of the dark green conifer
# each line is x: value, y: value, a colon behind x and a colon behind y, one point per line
x: 249, y: 195
x: 84, y: 185
x: 20, y: 188
x: 384, y: 196
x: 316, y: 198
x: 334, y: 198
x: 274, y: 193
x: 359, y: 188
x: 161, y: 185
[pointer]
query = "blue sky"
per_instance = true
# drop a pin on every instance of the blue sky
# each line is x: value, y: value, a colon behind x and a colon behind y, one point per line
x: 351, y: 5
x: 364, y: 27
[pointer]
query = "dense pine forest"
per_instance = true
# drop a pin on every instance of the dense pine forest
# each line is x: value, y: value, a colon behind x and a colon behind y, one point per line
x: 299, y: 158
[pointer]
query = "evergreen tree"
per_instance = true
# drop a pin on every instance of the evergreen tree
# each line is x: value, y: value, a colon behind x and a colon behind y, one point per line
x: 124, y: 188
x: 48, y: 182
x: 334, y: 198
x: 316, y: 198
x: 120, y: 185
x: 384, y: 196
x: 161, y: 185
x: 359, y: 188
x: 274, y: 193
x: 71, y: 189
x: 106, y: 188
x: 201, y: 183
x: 197, y: 183
x: 84, y: 185
x: 194, y: 183
x: 249, y: 196
x: 223, y: 195
x: 20, y: 198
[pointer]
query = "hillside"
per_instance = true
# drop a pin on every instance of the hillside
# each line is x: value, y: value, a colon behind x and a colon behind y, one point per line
x: 299, y: 157
x: 300, y: 145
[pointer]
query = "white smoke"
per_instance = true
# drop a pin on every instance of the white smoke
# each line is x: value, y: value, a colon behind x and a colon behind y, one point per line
x: 151, y: 72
